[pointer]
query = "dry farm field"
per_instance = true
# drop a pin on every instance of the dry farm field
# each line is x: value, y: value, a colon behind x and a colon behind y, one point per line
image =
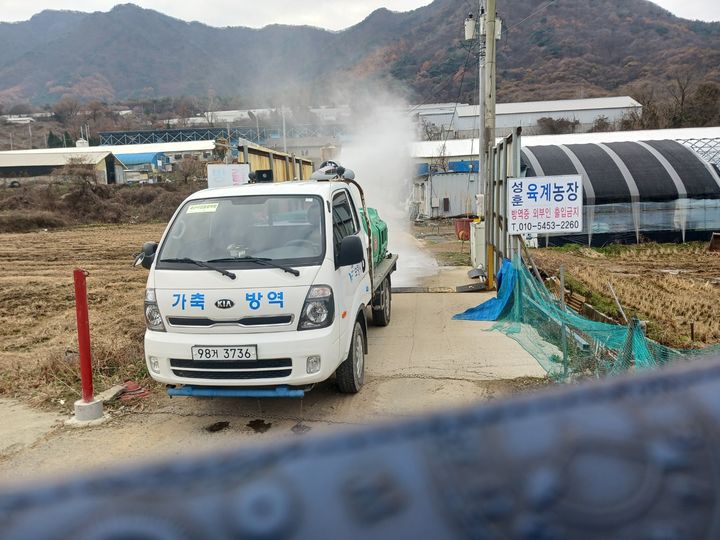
x: 38, y: 340
x: 669, y: 285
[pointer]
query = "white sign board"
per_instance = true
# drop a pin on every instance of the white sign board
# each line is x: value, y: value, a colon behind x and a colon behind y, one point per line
x: 228, y: 175
x: 545, y: 204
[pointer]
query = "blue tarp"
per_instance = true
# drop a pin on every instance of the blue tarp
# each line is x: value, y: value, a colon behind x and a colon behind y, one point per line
x: 463, y: 166
x: 144, y: 158
x: 494, y: 308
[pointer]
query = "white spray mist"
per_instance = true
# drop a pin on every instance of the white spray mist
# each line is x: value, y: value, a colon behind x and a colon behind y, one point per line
x: 378, y: 151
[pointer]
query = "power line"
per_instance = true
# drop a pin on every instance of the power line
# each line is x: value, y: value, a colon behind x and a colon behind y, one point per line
x: 442, y: 84
x: 538, y: 10
x: 452, y: 119
x: 445, y: 82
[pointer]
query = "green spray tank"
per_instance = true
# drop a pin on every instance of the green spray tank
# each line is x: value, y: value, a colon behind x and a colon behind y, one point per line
x: 379, y: 233
x: 383, y: 262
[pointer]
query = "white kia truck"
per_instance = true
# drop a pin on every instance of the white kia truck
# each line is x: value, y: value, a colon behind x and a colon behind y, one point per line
x: 264, y: 289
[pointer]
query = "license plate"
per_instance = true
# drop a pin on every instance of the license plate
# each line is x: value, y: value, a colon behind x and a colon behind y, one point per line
x: 246, y: 352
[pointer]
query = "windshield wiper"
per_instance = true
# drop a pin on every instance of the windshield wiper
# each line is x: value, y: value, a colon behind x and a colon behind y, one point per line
x: 260, y: 260
x: 203, y: 264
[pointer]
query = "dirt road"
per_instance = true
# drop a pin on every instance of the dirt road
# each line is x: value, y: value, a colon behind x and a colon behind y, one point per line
x: 423, y: 361
x: 410, y: 370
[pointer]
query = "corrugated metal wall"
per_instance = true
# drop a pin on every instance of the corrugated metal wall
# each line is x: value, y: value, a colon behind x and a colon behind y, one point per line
x: 285, y: 167
x: 451, y: 194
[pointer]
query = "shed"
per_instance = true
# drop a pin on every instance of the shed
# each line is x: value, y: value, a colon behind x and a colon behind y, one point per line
x: 31, y: 165
x: 144, y: 160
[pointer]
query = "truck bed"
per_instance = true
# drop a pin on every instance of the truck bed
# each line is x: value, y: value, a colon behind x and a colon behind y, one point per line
x: 383, y: 269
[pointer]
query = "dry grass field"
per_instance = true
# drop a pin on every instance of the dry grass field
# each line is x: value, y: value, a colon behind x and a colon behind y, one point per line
x: 669, y: 285
x: 38, y: 343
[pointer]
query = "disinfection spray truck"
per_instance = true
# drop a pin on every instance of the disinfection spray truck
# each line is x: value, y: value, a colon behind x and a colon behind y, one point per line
x: 265, y: 289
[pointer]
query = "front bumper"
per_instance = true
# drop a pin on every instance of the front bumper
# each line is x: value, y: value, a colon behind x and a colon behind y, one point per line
x: 169, y: 359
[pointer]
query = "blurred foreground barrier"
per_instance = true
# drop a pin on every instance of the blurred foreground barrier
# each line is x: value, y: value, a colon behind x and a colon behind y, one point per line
x: 626, y: 458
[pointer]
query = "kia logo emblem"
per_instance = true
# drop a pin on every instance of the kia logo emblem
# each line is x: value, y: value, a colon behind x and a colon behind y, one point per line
x: 225, y: 303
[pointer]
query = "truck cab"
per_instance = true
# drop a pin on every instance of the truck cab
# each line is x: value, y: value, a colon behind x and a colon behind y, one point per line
x: 264, y: 286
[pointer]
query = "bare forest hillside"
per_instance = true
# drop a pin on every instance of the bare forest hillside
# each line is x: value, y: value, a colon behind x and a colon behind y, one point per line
x: 569, y: 48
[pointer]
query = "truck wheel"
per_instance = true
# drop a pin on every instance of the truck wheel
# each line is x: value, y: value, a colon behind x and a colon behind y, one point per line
x: 351, y: 373
x: 382, y: 304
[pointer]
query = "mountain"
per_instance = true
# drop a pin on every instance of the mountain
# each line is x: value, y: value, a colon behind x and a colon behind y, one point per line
x: 571, y: 48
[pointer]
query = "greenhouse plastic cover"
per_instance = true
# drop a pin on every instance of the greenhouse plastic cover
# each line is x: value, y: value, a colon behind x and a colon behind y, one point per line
x: 624, y: 172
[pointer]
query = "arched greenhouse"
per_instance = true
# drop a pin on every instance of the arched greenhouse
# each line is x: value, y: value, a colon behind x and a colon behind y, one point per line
x: 641, y: 190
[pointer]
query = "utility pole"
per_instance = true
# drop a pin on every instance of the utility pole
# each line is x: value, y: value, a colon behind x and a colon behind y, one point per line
x: 284, y: 134
x: 489, y: 100
x: 228, y: 154
x: 481, y: 101
x: 30, y: 132
x: 475, y: 35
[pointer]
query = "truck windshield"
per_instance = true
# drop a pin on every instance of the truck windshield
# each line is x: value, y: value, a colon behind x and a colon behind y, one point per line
x: 231, y: 231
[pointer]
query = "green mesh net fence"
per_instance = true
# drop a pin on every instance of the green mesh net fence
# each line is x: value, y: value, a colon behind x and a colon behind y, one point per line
x: 568, y: 345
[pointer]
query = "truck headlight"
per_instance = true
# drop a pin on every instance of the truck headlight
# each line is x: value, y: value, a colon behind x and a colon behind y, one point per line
x: 153, y: 318
x: 319, y: 308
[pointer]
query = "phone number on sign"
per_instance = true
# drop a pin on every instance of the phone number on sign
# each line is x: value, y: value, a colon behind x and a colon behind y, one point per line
x: 570, y: 225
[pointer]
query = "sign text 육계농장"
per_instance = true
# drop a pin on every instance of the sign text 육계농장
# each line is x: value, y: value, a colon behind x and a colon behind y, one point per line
x: 545, y: 204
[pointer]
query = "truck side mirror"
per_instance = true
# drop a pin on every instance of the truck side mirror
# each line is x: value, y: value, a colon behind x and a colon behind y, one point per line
x: 147, y: 255
x: 351, y: 251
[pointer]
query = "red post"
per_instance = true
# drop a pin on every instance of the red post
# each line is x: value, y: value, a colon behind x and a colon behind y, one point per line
x: 83, y: 326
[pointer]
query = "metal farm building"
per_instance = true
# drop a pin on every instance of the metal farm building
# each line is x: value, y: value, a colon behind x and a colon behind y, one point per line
x: 660, y: 185
x: 461, y: 120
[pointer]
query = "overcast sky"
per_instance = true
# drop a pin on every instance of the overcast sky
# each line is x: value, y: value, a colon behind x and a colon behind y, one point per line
x: 332, y: 14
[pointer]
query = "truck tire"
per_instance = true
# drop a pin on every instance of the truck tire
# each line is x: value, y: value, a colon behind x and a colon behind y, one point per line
x: 382, y: 303
x: 350, y: 374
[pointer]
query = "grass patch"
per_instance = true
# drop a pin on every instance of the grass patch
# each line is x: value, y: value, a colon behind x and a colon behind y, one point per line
x: 603, y: 303
x: 453, y: 258
x: 606, y: 304
x: 52, y: 206
x: 671, y: 286
x: 54, y: 381
x: 16, y: 221
x: 566, y: 248
x: 38, y: 343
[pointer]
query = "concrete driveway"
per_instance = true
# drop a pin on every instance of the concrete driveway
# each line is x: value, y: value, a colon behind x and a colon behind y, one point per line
x: 423, y: 361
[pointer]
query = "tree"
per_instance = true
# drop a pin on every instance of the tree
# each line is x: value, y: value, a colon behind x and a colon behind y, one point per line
x: 54, y: 141
x: 97, y: 110
x: 601, y: 123
x: 703, y: 107
x: 20, y: 108
x: 79, y: 171
x: 222, y: 145
x: 189, y: 168
x: 185, y: 108
x: 556, y: 126
x: 66, y: 110
x: 651, y: 116
x: 430, y: 131
x: 680, y: 90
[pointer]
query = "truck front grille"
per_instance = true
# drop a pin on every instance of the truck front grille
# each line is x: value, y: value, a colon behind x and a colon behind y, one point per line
x: 226, y: 375
x: 204, y: 322
x: 238, y: 369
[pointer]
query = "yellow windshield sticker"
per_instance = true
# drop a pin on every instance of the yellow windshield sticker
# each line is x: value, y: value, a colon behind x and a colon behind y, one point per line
x: 202, y: 208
